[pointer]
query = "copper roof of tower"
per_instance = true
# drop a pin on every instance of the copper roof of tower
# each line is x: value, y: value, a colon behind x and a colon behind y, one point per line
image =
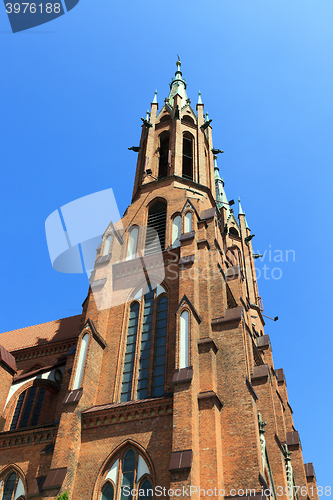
x: 31, y: 336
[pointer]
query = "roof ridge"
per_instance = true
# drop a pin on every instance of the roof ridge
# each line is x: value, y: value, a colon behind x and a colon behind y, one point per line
x: 39, y: 324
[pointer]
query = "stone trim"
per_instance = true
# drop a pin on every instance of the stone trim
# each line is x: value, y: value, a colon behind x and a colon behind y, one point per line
x: 134, y: 410
x: 211, y: 395
x: 208, y: 340
x: 234, y: 314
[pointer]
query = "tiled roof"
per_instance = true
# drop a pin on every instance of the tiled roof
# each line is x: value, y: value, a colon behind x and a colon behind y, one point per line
x: 31, y: 336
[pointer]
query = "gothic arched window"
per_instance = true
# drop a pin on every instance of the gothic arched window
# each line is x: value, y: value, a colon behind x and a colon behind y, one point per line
x: 81, y: 362
x: 132, y: 243
x: 176, y: 231
x: 107, y: 492
x: 188, y: 222
x: 144, y: 367
x: 184, y: 340
x: 130, y: 471
x: 188, y: 149
x: 28, y: 408
x: 107, y: 245
x: 164, y: 155
x: 13, y: 487
x: 156, y: 224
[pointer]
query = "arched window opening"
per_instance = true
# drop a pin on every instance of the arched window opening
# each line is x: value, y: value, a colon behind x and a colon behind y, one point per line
x: 156, y: 224
x: 160, y: 347
x: 13, y: 488
x: 176, y: 231
x: 233, y: 231
x: 9, y: 487
x: 165, y: 118
x: 164, y: 156
x: 146, y: 490
x: 129, y: 472
x: 150, y: 363
x: 28, y: 408
x: 188, y: 155
x: 107, y: 492
x: 126, y: 388
x: 128, y: 469
x: 188, y: 119
x: 188, y: 222
x: 81, y: 361
x: 107, y: 245
x: 147, y: 323
x: 184, y: 340
x: 132, y: 243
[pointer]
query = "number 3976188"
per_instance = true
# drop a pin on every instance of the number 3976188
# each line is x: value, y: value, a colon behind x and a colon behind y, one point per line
x: 32, y: 8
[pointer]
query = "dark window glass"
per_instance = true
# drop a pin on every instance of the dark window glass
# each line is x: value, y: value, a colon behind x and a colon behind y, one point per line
x: 188, y: 156
x: 126, y: 388
x: 38, y: 407
x: 159, y: 358
x: 9, y: 487
x: 164, y: 156
x: 28, y: 407
x: 157, y: 222
x: 128, y: 473
x: 17, y: 410
x: 107, y: 492
x: 146, y: 490
x: 145, y: 345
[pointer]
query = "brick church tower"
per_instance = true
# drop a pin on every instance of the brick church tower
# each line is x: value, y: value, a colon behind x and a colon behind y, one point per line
x: 165, y: 384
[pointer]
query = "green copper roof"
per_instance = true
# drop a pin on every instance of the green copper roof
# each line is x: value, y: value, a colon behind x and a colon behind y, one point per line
x: 178, y: 86
x: 155, y: 98
x: 199, y: 98
x: 221, y: 197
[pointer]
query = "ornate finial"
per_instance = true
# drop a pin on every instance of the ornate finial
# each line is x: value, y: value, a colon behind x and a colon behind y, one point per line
x: 155, y: 97
x: 207, y: 117
x: 147, y: 116
x: 199, y: 98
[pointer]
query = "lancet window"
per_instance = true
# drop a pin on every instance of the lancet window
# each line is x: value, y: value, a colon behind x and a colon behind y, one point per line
x: 145, y: 351
x: 164, y: 155
x: 129, y: 472
x: 155, y: 239
x: 188, y: 149
x: 12, y: 487
x: 28, y: 408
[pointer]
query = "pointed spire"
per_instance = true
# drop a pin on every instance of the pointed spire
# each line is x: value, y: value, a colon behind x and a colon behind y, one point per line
x: 207, y: 117
x: 148, y: 116
x: 155, y: 97
x: 199, y: 98
x: 221, y: 197
x: 241, y: 212
x: 178, y: 86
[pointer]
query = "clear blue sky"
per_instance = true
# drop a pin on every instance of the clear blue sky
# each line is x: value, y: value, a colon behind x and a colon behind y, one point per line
x: 72, y: 94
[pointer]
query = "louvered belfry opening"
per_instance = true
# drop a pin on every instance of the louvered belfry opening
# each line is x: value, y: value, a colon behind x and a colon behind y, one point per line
x: 156, y: 224
x: 164, y: 154
x: 188, y: 156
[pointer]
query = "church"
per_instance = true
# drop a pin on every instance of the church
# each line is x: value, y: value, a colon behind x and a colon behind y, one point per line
x: 165, y: 385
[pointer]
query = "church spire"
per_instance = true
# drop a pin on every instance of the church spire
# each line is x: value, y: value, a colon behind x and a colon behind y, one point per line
x: 241, y: 212
x: 178, y: 86
x: 221, y: 197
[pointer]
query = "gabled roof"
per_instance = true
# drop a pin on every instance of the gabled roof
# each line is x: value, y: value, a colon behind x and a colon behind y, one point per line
x: 31, y: 336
